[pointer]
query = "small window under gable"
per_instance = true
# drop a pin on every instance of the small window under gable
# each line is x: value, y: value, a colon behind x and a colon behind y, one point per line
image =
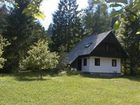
x: 85, y: 62
x: 114, y: 62
x: 97, y: 61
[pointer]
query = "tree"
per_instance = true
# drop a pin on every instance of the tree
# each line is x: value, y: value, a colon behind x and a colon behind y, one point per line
x: 96, y: 20
x: 128, y: 30
x: 39, y: 58
x: 3, y: 19
x: 3, y: 43
x: 22, y: 31
x: 67, y: 28
x: 33, y: 7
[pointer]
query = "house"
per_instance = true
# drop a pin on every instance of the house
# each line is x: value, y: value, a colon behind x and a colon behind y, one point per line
x: 98, y: 54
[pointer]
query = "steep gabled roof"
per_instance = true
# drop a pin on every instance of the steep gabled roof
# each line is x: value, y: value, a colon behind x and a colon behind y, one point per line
x: 86, y: 46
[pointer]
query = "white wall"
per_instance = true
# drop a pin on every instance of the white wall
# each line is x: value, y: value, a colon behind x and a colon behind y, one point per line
x: 105, y: 65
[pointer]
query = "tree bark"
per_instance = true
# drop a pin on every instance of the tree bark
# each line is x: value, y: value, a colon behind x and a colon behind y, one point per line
x: 40, y: 75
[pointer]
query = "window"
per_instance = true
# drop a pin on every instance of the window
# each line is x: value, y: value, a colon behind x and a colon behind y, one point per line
x: 114, y: 62
x: 88, y: 44
x: 97, y: 61
x: 85, y: 62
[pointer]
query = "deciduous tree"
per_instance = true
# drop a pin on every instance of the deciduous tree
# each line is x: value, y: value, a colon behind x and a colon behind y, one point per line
x: 3, y: 43
x: 128, y: 30
x: 39, y: 58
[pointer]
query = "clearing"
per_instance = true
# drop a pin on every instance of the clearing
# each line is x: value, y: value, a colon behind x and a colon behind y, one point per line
x: 70, y: 90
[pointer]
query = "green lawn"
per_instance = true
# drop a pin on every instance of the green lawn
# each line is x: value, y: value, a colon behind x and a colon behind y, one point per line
x: 70, y: 90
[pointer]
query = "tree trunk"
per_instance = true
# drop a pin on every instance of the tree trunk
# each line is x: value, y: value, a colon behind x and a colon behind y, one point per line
x: 132, y: 68
x: 41, y: 75
x: 131, y: 71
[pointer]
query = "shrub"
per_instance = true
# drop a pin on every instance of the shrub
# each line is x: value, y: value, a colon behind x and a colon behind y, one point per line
x: 3, y: 43
x: 39, y: 58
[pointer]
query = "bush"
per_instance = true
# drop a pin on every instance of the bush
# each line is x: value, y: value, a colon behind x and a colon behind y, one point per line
x: 3, y: 43
x: 39, y: 58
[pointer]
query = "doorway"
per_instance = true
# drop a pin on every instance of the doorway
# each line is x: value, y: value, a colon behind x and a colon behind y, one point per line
x: 79, y: 64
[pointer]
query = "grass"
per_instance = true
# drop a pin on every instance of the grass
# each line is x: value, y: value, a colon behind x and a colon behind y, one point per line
x: 69, y: 90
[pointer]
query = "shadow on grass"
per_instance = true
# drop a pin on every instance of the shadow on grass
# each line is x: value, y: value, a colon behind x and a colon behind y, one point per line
x: 132, y: 78
x: 72, y: 73
x: 29, y: 76
x: 30, y: 79
x: 96, y: 76
x: 33, y: 76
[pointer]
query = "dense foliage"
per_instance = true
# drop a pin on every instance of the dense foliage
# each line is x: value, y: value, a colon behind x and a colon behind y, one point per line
x: 22, y: 31
x: 96, y: 20
x: 67, y: 28
x: 3, y: 19
x: 3, y: 43
x: 39, y: 58
x: 129, y: 33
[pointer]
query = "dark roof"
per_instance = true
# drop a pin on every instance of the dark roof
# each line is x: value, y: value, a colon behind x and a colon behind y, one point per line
x: 86, y: 46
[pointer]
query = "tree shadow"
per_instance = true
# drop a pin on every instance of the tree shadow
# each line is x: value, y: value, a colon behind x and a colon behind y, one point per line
x: 72, y: 73
x: 30, y: 79
x: 29, y: 76
x: 87, y: 75
x: 132, y: 78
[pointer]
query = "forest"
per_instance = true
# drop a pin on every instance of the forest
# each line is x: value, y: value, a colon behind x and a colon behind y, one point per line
x: 25, y: 45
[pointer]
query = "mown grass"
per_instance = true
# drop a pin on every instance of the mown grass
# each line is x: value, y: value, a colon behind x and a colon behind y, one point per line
x: 69, y: 90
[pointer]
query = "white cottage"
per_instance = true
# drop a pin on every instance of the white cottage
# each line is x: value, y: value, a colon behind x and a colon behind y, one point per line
x: 98, y: 54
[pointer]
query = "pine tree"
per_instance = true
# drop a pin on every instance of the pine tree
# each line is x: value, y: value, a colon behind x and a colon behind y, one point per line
x: 67, y: 29
x: 22, y: 31
x: 96, y: 20
x: 3, y: 17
